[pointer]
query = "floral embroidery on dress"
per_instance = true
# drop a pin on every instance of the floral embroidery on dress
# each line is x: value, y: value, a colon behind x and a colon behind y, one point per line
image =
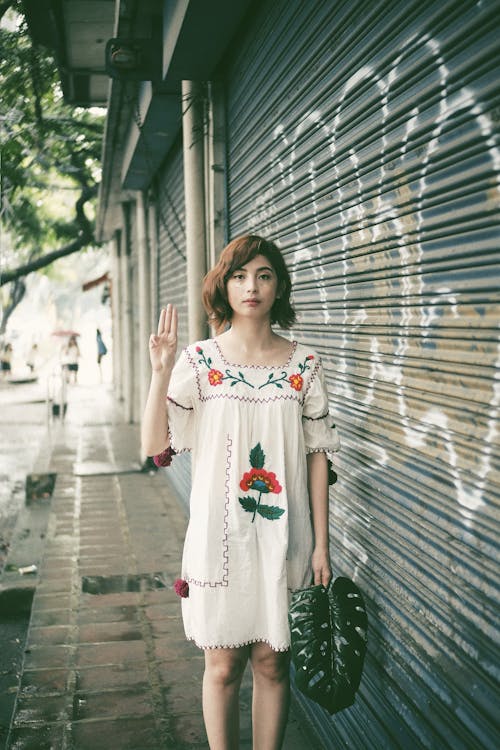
x: 296, y: 380
x: 261, y: 481
x: 215, y: 377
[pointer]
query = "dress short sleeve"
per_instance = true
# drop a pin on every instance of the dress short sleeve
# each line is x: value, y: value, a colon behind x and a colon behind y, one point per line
x: 320, y: 433
x: 180, y: 405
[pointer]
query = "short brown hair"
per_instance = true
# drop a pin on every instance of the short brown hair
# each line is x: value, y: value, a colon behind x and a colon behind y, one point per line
x: 235, y: 255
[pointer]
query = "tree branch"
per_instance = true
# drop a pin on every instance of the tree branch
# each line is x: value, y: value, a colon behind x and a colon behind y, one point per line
x: 84, y: 238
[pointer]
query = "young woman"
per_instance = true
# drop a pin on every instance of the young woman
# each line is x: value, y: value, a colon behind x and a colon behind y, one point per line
x: 253, y: 409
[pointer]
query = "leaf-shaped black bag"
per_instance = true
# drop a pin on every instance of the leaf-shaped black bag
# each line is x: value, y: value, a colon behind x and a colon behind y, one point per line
x: 328, y: 634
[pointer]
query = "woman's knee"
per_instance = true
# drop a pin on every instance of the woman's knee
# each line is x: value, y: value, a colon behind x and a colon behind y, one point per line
x: 273, y: 666
x: 225, y: 666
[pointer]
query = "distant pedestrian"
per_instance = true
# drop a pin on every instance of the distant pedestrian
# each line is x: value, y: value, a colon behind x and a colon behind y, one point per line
x: 32, y: 357
x: 252, y: 407
x: 6, y: 360
x: 70, y: 356
x: 101, y: 350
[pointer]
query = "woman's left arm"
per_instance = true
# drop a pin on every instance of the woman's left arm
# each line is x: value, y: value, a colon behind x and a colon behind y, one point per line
x: 317, y: 478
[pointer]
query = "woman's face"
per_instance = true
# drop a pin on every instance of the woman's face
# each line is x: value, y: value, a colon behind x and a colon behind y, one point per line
x: 251, y: 290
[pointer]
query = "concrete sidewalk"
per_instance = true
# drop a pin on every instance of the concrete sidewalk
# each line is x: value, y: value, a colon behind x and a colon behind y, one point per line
x: 106, y: 664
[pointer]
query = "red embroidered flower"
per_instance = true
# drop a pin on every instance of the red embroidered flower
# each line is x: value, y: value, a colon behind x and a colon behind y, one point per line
x: 215, y: 377
x: 199, y: 349
x: 309, y: 357
x: 260, y: 480
x: 296, y: 381
x: 181, y: 588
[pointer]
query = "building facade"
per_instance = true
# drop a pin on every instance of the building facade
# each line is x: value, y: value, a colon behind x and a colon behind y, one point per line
x: 363, y: 138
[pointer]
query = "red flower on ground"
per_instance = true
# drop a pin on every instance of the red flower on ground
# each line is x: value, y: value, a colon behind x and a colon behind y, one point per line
x: 296, y: 381
x: 181, y: 588
x: 215, y: 377
x: 260, y: 480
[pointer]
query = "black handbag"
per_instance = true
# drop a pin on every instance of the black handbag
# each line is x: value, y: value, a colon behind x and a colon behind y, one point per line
x: 328, y: 629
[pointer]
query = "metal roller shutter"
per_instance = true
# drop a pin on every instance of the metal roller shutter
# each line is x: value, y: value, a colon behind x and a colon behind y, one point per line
x: 364, y: 138
x: 171, y: 274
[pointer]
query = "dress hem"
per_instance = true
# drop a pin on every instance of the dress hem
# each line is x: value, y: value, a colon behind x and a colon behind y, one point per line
x: 212, y: 647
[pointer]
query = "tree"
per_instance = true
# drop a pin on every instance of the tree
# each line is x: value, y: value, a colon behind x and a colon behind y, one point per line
x: 50, y: 154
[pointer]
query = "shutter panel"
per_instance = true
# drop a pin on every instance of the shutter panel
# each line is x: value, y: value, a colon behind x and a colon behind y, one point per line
x: 172, y: 278
x: 363, y: 137
x: 172, y: 270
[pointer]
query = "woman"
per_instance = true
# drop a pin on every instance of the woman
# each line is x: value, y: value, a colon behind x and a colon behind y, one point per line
x: 253, y: 409
x: 70, y: 357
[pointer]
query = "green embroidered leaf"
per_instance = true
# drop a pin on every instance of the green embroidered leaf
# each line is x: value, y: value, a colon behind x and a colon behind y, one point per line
x: 257, y: 457
x: 248, y: 503
x: 272, y: 512
x: 233, y: 383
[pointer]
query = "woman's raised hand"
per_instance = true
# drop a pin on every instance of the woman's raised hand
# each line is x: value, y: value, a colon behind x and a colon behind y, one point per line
x: 163, y: 345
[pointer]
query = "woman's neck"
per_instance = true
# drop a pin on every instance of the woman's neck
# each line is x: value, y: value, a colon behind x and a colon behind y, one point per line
x: 252, y: 343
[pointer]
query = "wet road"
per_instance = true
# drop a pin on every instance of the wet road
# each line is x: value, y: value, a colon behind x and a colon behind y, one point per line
x: 24, y: 432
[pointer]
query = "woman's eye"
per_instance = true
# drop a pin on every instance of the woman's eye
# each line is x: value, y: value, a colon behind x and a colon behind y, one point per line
x: 265, y: 276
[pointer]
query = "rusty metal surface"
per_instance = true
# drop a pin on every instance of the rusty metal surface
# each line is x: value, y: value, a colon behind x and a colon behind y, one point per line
x: 364, y: 137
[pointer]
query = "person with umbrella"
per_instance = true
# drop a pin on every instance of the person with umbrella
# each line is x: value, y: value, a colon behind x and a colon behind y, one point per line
x: 70, y: 356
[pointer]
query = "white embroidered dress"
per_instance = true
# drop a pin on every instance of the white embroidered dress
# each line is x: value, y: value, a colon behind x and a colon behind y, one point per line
x: 249, y: 538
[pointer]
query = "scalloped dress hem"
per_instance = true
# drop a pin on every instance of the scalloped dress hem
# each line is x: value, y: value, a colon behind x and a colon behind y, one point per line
x: 282, y: 648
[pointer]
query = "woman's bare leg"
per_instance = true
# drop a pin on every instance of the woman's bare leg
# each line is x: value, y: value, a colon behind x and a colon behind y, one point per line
x: 224, y: 668
x: 271, y: 696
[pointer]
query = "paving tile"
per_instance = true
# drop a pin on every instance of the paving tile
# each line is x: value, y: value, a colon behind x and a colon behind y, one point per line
x: 113, y: 652
x: 176, y: 648
x: 50, y: 635
x: 47, y: 617
x: 183, y: 676
x: 40, y: 710
x: 98, y: 678
x: 44, y: 681
x: 187, y: 729
x: 125, y: 613
x: 109, y: 631
x: 161, y: 611
x: 165, y: 626
x: 125, y: 598
x: 51, y: 585
x: 50, y: 601
x: 45, y: 737
x: 43, y: 657
x: 112, y: 704
x: 121, y: 734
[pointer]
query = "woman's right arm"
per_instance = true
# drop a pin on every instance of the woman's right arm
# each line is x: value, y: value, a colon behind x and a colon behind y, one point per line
x: 162, y: 352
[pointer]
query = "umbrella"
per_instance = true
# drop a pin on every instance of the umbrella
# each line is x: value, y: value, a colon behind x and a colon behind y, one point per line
x: 65, y: 333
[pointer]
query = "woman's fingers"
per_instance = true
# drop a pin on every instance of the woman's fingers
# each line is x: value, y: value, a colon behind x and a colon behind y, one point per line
x: 161, y: 321
x: 173, y: 322
x: 167, y: 323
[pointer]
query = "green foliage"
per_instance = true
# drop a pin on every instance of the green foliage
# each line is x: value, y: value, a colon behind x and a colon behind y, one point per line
x: 50, y: 151
x: 257, y: 457
x: 248, y: 503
